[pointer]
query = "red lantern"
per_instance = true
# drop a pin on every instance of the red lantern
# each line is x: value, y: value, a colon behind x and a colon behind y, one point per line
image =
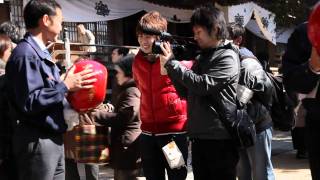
x: 314, y: 27
x: 86, y: 99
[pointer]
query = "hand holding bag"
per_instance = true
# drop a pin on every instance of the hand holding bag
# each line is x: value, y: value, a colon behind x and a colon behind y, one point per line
x: 87, y: 142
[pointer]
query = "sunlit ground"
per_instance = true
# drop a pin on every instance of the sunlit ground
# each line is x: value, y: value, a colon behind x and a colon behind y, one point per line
x: 286, y: 166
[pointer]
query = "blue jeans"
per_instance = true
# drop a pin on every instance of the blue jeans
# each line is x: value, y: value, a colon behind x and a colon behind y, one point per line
x: 255, y: 162
x: 154, y: 162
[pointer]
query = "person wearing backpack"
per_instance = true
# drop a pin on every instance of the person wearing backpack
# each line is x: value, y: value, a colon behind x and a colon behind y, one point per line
x: 210, y: 88
x: 301, y: 69
x: 255, y: 162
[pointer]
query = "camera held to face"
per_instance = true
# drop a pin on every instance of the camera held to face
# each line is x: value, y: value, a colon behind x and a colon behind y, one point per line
x: 183, y: 48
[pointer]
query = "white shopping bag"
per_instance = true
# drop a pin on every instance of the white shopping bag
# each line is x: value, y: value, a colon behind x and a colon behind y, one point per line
x: 173, y: 155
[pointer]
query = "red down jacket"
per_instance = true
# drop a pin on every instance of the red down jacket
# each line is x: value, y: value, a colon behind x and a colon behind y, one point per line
x: 161, y: 109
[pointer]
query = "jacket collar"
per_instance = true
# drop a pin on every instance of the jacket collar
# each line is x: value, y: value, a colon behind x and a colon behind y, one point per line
x: 149, y: 57
x: 129, y: 83
x: 28, y: 38
x: 223, y: 45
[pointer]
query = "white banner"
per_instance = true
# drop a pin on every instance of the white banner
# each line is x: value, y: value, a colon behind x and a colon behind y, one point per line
x: 104, y: 10
x: 263, y: 27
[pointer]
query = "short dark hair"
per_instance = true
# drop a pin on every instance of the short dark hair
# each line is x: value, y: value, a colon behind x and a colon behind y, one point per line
x: 209, y: 17
x: 122, y: 51
x: 11, y: 30
x: 36, y: 9
x: 125, y: 64
x: 236, y: 30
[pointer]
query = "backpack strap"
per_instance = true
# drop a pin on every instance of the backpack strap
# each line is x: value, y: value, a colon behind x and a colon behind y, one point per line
x: 248, y: 57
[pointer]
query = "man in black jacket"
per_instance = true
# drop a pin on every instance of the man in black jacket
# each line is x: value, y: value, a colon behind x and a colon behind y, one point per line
x: 255, y: 162
x: 210, y: 89
x: 301, y: 69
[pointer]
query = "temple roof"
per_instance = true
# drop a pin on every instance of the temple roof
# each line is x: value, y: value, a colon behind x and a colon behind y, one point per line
x: 191, y: 4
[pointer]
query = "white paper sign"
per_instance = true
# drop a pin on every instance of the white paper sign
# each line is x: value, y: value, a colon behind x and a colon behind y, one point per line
x: 173, y: 155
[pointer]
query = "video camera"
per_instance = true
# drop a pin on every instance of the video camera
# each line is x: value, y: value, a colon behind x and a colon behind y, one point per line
x: 183, y: 48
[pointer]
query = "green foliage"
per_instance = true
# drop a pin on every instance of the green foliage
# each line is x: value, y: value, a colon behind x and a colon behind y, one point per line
x: 288, y: 12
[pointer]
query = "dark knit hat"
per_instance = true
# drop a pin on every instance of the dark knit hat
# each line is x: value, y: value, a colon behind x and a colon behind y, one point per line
x: 125, y: 64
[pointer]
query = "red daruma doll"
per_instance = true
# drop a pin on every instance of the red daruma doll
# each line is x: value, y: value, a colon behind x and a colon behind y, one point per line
x: 86, y: 99
x: 314, y: 27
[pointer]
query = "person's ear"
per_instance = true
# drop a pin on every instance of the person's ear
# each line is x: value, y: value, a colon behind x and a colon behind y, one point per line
x: 214, y: 32
x: 45, y: 20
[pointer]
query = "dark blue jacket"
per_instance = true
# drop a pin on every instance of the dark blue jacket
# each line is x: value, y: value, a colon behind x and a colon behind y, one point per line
x: 35, y: 88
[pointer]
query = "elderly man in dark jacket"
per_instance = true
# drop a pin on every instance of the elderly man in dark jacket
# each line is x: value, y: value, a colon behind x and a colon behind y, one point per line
x: 210, y: 88
x: 301, y: 69
x: 125, y: 123
x: 255, y: 162
x: 36, y: 92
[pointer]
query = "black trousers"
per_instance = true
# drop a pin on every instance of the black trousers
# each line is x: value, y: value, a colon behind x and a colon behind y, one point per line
x: 154, y: 162
x: 313, y: 145
x: 72, y: 172
x: 7, y: 167
x: 214, y: 159
x: 299, y: 138
x: 7, y: 170
x: 38, y: 156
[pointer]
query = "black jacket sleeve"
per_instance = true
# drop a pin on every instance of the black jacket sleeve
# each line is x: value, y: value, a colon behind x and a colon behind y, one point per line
x: 222, y: 69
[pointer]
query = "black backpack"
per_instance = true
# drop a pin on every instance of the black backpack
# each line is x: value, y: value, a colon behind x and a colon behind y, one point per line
x: 282, y: 109
x: 243, y: 129
x: 240, y: 127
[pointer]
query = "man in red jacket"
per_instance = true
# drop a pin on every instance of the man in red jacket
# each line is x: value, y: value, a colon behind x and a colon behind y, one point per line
x: 163, y: 113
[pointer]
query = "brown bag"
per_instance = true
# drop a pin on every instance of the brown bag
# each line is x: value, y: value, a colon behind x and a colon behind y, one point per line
x: 87, y: 142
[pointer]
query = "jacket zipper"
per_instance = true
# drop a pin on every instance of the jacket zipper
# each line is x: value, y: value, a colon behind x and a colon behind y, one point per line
x: 151, y: 92
x: 241, y: 142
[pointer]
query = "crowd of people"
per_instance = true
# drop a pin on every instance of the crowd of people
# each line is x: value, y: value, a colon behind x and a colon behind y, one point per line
x: 160, y: 105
